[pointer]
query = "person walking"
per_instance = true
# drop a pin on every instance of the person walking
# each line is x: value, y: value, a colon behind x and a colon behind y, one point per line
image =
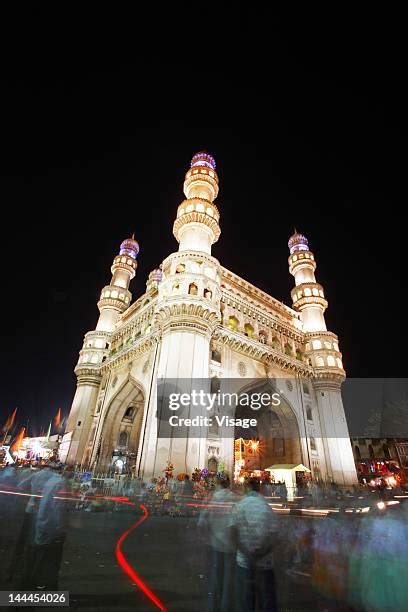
x: 215, y: 520
x: 255, y: 528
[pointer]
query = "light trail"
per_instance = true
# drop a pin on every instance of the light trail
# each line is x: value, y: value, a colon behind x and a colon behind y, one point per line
x: 120, y: 557
x: 128, y: 569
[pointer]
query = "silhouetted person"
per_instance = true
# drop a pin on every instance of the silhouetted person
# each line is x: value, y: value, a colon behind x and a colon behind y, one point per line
x: 215, y: 519
x: 255, y: 527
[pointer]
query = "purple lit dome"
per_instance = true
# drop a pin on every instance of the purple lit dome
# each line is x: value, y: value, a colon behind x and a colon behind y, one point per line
x: 130, y: 247
x: 203, y: 159
x: 298, y: 242
x: 156, y: 275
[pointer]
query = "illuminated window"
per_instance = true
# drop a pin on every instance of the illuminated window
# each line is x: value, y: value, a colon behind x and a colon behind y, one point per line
x: 211, y: 173
x: 339, y: 364
x: 315, y: 291
x: 308, y: 291
x: 114, y: 294
x: 316, y: 344
x: 190, y: 208
x: 210, y: 211
x: 331, y: 361
x: 319, y: 362
x: 233, y: 323
x: 200, y: 207
x: 248, y: 330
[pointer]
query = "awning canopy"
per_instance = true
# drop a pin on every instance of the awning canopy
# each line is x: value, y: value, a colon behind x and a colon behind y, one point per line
x: 296, y: 467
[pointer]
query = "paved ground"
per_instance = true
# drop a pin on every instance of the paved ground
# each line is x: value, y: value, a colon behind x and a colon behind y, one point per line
x: 168, y: 553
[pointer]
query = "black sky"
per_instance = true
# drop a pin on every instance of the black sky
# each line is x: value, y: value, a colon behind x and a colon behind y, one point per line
x: 303, y: 116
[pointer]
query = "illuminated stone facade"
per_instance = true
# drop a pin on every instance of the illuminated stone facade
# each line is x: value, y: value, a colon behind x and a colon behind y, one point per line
x: 199, y: 320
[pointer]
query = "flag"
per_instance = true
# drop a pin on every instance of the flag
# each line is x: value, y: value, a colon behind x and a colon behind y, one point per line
x: 10, y: 420
x: 17, y: 442
x: 57, y: 419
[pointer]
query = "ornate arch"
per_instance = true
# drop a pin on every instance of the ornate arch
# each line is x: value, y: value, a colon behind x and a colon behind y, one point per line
x: 117, y: 421
x: 278, y: 428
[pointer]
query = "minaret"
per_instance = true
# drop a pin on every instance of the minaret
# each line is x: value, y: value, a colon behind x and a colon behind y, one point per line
x: 196, y: 227
x: 322, y: 352
x: 187, y: 311
x: 115, y: 299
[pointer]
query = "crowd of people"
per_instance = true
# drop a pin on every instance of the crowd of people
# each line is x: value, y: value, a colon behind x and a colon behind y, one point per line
x: 351, y: 561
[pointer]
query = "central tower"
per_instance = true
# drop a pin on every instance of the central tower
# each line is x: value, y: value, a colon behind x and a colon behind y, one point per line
x: 196, y: 227
x: 188, y: 310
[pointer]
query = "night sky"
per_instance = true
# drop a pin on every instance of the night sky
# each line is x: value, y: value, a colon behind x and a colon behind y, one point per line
x: 304, y: 124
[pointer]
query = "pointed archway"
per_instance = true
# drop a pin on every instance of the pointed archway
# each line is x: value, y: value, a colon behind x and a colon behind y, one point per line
x: 277, y: 431
x: 120, y: 432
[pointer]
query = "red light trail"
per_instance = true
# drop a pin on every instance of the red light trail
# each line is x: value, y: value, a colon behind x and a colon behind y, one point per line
x: 120, y: 557
x: 128, y: 569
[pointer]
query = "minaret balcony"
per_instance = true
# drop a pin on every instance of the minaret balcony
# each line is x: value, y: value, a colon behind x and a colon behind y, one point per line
x: 306, y: 290
x: 301, y: 259
x: 114, y: 297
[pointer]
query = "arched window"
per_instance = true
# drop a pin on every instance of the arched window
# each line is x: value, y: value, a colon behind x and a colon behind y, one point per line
x: 208, y: 294
x: 288, y: 349
x: 309, y: 415
x: 123, y: 438
x: 180, y: 268
x: 357, y: 452
x: 193, y: 289
x: 129, y: 413
x: 248, y: 330
x: 275, y: 343
x: 233, y: 323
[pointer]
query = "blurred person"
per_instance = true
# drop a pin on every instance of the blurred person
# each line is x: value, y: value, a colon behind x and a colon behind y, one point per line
x: 32, y: 481
x: 378, y: 578
x: 332, y: 543
x: 215, y: 520
x: 255, y: 528
x: 47, y: 536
